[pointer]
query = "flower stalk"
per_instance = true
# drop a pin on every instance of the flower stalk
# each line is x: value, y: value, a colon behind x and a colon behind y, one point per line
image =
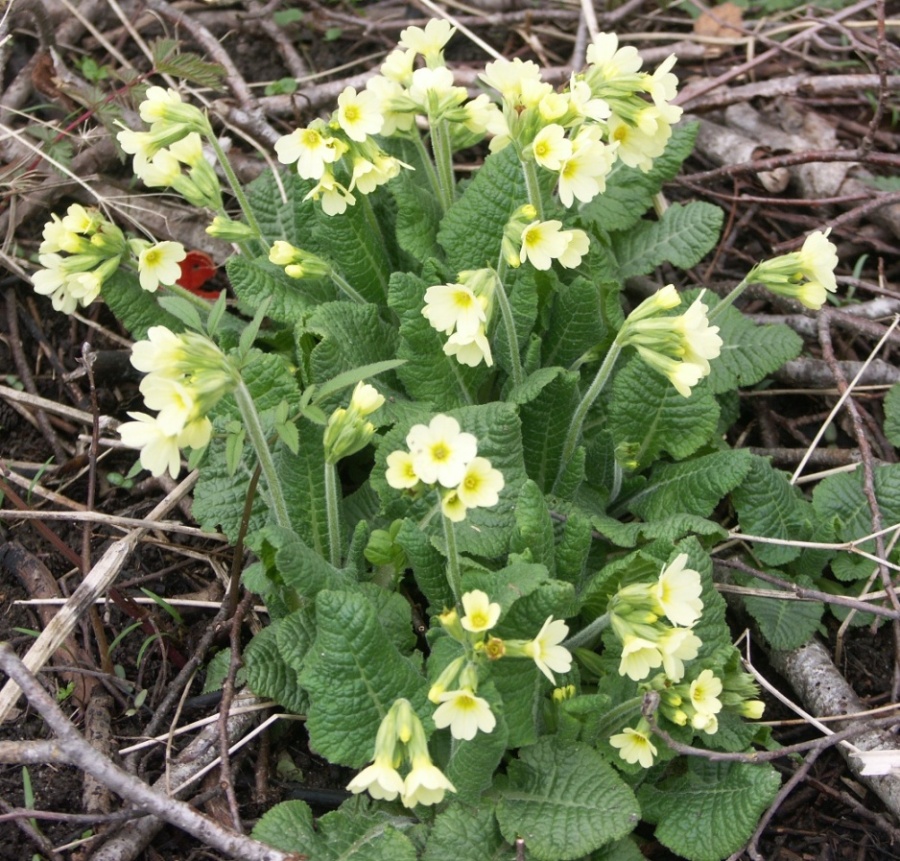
x: 257, y: 437
x: 573, y: 434
x: 333, y: 512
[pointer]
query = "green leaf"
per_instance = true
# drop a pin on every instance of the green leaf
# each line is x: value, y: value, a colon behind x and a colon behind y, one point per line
x: 269, y: 675
x: 545, y: 422
x: 256, y: 280
x: 649, y: 416
x: 418, y: 214
x: 769, y: 505
x: 785, y: 623
x: 534, y: 529
x: 682, y: 237
x: 841, y: 498
x: 629, y: 191
x: 749, y: 352
x: 471, y: 230
x: 522, y: 688
x: 288, y: 826
x: 692, y: 487
x: 301, y: 568
x: 168, y: 59
x: 303, y: 482
x: 184, y: 310
x: 668, y: 529
x: 294, y: 636
x: 343, y: 835
x: 565, y: 801
x: 711, y: 809
x: 353, y: 677
x: 429, y: 376
x: 289, y: 219
x: 356, y: 834
x: 465, y: 833
x: 892, y: 415
x: 135, y: 308
x: 351, y: 336
x: 485, y: 531
x: 428, y: 565
x: 576, y: 323
x: 393, y: 611
x: 353, y: 244
x: 573, y: 548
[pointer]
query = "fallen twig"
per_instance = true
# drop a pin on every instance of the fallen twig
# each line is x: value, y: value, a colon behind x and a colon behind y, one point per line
x: 74, y: 750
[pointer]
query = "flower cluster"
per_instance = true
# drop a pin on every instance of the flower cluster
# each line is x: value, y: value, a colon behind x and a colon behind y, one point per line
x: 806, y: 275
x: 296, y: 262
x: 463, y: 311
x: 612, y: 110
x: 696, y: 703
x: 78, y: 254
x: 173, y: 144
x: 441, y: 455
x: 342, y: 155
x: 679, y: 347
x: 636, y: 617
x: 186, y: 376
x: 404, y: 91
x: 527, y: 238
x: 348, y: 430
x: 400, y: 738
x: 455, y: 689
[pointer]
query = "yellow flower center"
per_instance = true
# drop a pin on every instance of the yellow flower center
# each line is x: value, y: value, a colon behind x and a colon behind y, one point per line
x: 153, y: 257
x: 310, y: 138
x: 440, y: 452
x: 352, y: 114
x: 479, y: 619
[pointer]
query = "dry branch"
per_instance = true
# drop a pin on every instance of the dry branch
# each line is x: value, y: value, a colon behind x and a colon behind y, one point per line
x: 74, y: 750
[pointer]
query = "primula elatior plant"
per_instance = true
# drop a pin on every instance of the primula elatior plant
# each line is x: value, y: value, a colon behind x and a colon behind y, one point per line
x: 442, y: 406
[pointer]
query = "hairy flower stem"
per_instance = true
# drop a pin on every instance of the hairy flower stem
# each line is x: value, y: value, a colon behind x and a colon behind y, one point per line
x: 533, y: 186
x: 344, y: 286
x: 509, y: 325
x: 618, y: 716
x: 333, y: 511
x: 574, y: 432
x: 731, y: 298
x: 443, y: 160
x: 263, y: 453
x: 454, y: 575
x: 236, y: 188
x: 589, y: 636
x: 427, y: 163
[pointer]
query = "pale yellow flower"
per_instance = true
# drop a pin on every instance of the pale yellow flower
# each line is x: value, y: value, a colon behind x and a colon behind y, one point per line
x: 158, y: 264
x: 401, y: 473
x: 481, y: 614
x: 425, y: 784
x: 480, y: 484
x: 309, y: 148
x: 551, y: 147
x: 705, y: 690
x: 546, y: 651
x: 441, y: 451
x: 358, y: 114
x: 159, y: 450
x: 380, y: 780
x: 639, y: 656
x: 464, y: 713
x: 634, y: 746
x: 453, y: 306
x: 678, y: 592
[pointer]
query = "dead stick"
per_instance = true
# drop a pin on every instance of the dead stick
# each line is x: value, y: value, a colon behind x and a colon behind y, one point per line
x: 80, y: 754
